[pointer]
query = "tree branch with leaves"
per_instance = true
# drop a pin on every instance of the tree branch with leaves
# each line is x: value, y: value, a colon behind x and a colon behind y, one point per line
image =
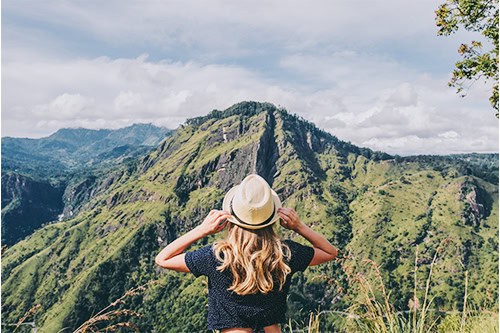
x: 477, y: 63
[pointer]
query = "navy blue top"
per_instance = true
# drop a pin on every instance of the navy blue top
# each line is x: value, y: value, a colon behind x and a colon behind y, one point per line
x: 226, y: 309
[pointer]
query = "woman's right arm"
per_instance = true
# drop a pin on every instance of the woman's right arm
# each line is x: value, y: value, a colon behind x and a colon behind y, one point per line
x: 323, y: 250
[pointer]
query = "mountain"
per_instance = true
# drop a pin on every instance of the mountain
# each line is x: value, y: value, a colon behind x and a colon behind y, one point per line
x: 77, y: 148
x: 370, y: 204
x: 49, y: 178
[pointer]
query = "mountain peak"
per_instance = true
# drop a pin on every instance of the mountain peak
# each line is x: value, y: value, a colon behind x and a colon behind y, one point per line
x: 302, y: 127
x: 245, y: 108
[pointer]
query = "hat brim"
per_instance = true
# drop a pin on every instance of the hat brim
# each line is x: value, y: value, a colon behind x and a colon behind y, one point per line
x: 229, y: 196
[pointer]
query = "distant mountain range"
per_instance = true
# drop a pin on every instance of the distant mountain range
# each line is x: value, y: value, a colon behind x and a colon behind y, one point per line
x: 47, y: 179
x: 369, y: 203
x: 71, y: 149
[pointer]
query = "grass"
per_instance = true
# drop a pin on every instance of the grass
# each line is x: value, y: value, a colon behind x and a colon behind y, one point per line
x: 107, y: 315
x: 373, y: 312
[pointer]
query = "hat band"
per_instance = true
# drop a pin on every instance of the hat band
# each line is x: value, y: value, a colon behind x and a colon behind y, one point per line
x: 241, y: 221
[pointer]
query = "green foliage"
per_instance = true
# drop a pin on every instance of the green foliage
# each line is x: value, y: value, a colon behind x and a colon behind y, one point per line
x: 77, y: 266
x: 484, y: 166
x: 476, y: 16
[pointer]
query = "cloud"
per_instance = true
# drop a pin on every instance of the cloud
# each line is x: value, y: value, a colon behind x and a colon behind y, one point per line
x: 385, y: 105
x: 190, y: 21
x: 449, y: 135
x: 404, y: 95
x: 401, y: 111
x: 64, y: 107
x: 114, y: 92
x: 373, y: 73
x: 250, y: 32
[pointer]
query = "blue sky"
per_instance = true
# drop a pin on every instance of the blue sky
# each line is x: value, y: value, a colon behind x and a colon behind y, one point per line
x: 371, y: 72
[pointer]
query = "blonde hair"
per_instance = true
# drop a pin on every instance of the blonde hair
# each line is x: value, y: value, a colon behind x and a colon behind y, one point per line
x: 255, y: 257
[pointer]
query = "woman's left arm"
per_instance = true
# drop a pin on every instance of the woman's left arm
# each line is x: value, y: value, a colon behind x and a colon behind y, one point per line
x: 172, y: 256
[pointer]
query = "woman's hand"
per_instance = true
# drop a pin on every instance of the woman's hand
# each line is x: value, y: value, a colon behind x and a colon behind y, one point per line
x: 289, y: 218
x: 215, y: 221
x: 171, y: 256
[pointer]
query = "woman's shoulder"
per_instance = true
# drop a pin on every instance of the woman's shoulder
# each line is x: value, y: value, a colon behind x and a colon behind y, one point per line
x: 301, y: 255
x: 292, y: 243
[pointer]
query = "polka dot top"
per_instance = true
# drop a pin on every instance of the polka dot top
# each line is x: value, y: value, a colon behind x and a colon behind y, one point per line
x: 226, y: 309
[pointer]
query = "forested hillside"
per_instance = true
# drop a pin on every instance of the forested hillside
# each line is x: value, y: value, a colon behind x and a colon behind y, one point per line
x: 370, y: 204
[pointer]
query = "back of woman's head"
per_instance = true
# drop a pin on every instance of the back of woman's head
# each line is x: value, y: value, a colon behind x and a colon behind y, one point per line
x: 256, y: 259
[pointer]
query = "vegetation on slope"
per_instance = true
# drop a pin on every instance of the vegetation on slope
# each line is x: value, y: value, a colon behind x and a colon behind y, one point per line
x: 370, y: 204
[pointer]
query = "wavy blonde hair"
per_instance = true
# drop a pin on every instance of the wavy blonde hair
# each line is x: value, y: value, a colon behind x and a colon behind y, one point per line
x: 256, y: 258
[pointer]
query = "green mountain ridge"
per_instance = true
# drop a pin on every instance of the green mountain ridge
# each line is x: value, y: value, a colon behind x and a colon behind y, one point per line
x: 370, y: 204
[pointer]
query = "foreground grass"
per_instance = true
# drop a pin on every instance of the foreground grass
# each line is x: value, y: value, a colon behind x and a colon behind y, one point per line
x: 477, y: 321
x: 372, y: 312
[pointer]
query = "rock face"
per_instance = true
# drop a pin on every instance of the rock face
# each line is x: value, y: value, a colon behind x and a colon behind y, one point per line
x: 368, y: 203
x: 26, y: 205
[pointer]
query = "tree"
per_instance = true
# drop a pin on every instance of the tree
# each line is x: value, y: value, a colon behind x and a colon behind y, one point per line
x: 477, y: 16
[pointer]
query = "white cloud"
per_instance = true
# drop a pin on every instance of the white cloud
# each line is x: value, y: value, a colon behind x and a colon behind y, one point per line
x: 385, y: 105
x: 113, y: 92
x: 401, y: 111
x: 209, y: 31
x: 191, y: 21
x: 449, y: 135
x: 365, y: 71
x: 64, y: 107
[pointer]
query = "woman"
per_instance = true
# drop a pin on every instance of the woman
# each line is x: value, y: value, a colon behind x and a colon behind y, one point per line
x: 249, y: 271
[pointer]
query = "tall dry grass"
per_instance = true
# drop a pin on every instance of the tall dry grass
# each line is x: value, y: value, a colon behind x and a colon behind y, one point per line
x: 373, y: 312
x: 113, y: 318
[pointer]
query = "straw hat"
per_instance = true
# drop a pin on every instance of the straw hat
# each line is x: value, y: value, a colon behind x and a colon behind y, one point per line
x: 253, y: 204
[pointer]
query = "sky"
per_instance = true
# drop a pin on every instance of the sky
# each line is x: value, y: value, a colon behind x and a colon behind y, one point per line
x: 373, y: 73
